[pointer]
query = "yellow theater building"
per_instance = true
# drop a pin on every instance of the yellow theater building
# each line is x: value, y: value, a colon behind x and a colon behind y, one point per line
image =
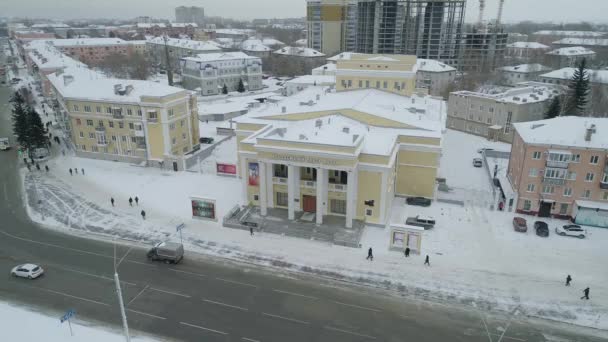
x: 346, y: 153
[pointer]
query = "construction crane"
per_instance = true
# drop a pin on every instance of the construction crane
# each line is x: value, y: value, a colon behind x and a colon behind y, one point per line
x: 501, y: 4
x: 482, y: 7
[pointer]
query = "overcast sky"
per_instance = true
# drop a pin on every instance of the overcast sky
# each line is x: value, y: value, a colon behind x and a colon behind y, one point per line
x: 515, y: 10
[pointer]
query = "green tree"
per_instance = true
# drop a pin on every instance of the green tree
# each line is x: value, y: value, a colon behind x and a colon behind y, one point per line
x: 35, y: 130
x: 579, y: 88
x: 554, y: 109
x: 20, y: 125
x: 241, y: 87
x: 224, y: 89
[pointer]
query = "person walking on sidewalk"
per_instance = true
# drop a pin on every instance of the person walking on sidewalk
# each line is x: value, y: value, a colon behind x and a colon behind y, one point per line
x: 71, y: 172
x: 131, y: 201
x: 568, y: 280
x: 46, y: 167
x: 37, y: 166
x: 143, y: 214
x: 112, y: 200
x: 407, y: 252
x: 370, y: 255
x: 586, y: 294
x: 251, y: 230
x: 137, y: 200
x: 427, y: 262
x: 76, y: 170
x: 82, y: 171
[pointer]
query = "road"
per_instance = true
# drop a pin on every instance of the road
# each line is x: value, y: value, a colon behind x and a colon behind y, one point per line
x: 215, y: 300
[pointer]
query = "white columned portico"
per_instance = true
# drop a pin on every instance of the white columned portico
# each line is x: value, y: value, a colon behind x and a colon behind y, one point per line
x: 263, y: 191
x: 351, y: 189
x: 245, y: 179
x: 321, y: 175
x: 291, y: 190
x: 269, y: 185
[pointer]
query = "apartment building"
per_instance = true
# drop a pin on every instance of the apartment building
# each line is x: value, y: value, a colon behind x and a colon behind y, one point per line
x: 483, y: 50
x: 255, y: 47
x: 559, y: 168
x: 568, y: 56
x: 340, y: 154
x: 493, y: 115
x: 208, y: 73
x: 564, y: 76
x: 512, y: 75
x: 92, y: 51
x: 549, y: 36
x: 434, y: 76
x: 526, y: 51
x: 190, y: 14
x: 598, y: 45
x: 178, y: 48
x: 331, y: 25
x: 127, y: 120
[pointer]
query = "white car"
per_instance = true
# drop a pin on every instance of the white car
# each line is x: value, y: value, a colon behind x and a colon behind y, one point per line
x: 571, y: 230
x: 29, y: 271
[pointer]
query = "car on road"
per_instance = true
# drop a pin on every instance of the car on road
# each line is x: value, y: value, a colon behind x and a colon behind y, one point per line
x: 541, y: 228
x: 169, y: 252
x: 30, y: 271
x: 484, y: 149
x: 4, y: 144
x: 477, y: 162
x: 425, y: 222
x: 419, y: 201
x: 520, y: 224
x: 571, y: 230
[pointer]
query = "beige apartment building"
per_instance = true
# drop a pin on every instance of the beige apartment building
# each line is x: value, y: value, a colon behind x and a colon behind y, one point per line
x: 345, y: 154
x: 559, y: 168
x: 92, y: 51
x: 127, y: 120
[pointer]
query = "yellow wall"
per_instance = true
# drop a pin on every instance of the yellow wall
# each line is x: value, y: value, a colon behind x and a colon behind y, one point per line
x: 332, y: 12
x: 418, y: 158
x: 374, y: 159
x: 155, y: 140
x: 306, y: 146
x: 416, y: 181
x: 370, y: 188
x: 407, y: 86
x: 419, y: 140
x: 350, y: 113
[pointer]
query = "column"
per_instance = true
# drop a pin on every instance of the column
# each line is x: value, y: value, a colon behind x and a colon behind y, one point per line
x: 351, y: 180
x: 269, y: 186
x: 245, y: 179
x: 291, y: 191
x: 297, y: 194
x: 263, y: 192
x: 321, y: 175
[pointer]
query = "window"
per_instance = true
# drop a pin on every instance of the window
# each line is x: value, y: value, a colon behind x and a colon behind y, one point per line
x: 76, y: 109
x: 89, y: 122
x: 548, y: 189
x: 100, y: 123
x: 152, y: 115
x: 385, y: 84
x: 98, y: 109
x: 527, y: 205
x: 111, y: 124
x: 123, y: 138
x: 533, y: 172
x: 586, y: 194
x: 91, y: 135
x: 81, y: 134
x: 133, y: 139
x: 360, y: 84
x: 576, y: 158
x: 571, y: 175
x: 605, y: 178
x: 605, y: 196
x: 350, y: 83
x: 121, y: 124
x: 337, y: 206
x: 282, y: 199
x: 531, y: 188
x: 131, y: 126
x: 589, y: 177
x: 101, y: 139
x: 184, y: 136
x: 129, y: 111
x: 78, y: 122
x: 563, y: 208
x: 83, y: 147
x: 139, y: 112
x: 508, y: 123
x: 555, y: 173
x: 369, y: 212
x: 108, y: 110
x: 87, y: 109
x: 536, y: 155
x: 377, y: 84
x: 182, y: 123
x: 171, y: 113
x: 172, y: 126
x: 173, y: 141
x: 366, y: 84
x: 113, y: 138
x: 567, y: 192
x: 94, y: 148
x: 594, y: 160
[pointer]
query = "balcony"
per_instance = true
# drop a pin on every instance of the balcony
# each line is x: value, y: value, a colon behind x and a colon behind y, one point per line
x: 139, y: 133
x: 279, y: 180
x: 337, y: 187
x: 100, y: 128
x: 308, y: 184
x: 557, y: 164
x: 604, y: 181
x: 554, y: 181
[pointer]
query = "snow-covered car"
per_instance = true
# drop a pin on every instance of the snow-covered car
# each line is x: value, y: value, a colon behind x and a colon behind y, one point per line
x: 484, y: 149
x: 520, y: 224
x: 4, y: 144
x: 477, y: 162
x: 419, y: 201
x: 425, y: 222
x: 30, y: 271
x: 571, y: 230
x: 541, y: 228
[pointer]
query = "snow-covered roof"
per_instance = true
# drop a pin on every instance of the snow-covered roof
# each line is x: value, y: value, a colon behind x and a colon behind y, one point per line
x: 326, y: 67
x: 527, y: 45
x: 183, y: 24
x: 254, y: 45
x: 592, y: 204
x: 595, y: 76
x: 89, y: 42
x: 572, y: 51
x: 342, y: 56
x: 51, y: 25
x: 431, y: 65
x: 526, y: 68
x: 521, y: 95
x: 570, y: 33
x: 299, y: 52
x: 313, y: 80
x: 223, y: 56
x: 236, y: 32
x: 150, y: 25
x: 301, y: 42
x: 271, y: 42
x: 421, y: 116
x: 582, y: 41
x: 565, y: 131
x: 47, y: 57
x: 185, y: 44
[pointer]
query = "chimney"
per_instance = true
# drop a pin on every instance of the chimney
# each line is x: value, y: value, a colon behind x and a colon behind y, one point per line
x: 283, y: 109
x: 67, y: 79
x: 128, y: 89
x: 589, y: 132
x: 117, y: 88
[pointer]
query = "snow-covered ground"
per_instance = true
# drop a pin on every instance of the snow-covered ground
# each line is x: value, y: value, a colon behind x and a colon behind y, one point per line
x: 22, y: 324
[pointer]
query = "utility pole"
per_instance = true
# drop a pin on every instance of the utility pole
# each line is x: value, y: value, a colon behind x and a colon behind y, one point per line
x: 123, y: 314
x: 168, y: 60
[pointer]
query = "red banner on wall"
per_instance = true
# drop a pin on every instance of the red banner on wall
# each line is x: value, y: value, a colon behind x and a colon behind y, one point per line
x: 225, y: 169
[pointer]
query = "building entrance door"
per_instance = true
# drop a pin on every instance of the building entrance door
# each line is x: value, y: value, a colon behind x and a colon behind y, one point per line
x: 309, y: 204
x: 545, y: 209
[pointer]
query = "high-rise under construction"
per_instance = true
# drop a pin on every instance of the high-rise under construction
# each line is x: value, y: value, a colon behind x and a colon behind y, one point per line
x: 426, y: 28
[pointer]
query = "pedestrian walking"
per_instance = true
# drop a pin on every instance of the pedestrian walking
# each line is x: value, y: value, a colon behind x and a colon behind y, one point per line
x: 37, y: 166
x: 370, y: 254
x: 427, y: 261
x: 143, y: 214
x: 407, y: 252
x: 29, y: 168
x: 112, y: 200
x: 251, y: 230
x: 76, y: 170
x: 131, y: 201
x: 586, y: 292
x: 501, y: 205
x: 31, y: 160
x: 71, y: 172
x: 46, y: 167
x: 137, y: 200
x: 568, y: 280
x: 82, y: 171
x: 63, y: 152
x: 25, y: 160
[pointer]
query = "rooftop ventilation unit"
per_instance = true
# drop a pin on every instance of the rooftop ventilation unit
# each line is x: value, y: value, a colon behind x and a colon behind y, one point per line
x: 346, y: 130
x: 318, y: 123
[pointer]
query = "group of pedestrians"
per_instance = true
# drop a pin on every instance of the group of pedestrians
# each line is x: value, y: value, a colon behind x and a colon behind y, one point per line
x: 370, y: 256
x: 75, y: 171
x: 585, y: 291
x: 31, y: 163
x: 131, y: 200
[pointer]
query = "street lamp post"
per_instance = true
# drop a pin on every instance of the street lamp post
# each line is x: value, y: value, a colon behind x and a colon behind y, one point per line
x: 123, y: 314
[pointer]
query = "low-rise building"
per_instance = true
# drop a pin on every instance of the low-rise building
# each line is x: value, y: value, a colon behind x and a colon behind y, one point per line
x: 127, y: 120
x: 209, y: 73
x: 549, y: 36
x: 255, y: 47
x: 598, y: 45
x: 434, y: 76
x: 559, y: 168
x: 92, y: 51
x: 516, y: 37
x: 527, y: 51
x: 564, y: 76
x: 300, y: 83
x: 493, y: 115
x: 345, y: 154
x: 178, y: 48
x: 512, y: 75
x: 569, y: 56
x: 237, y: 35
x: 302, y: 53
x: 328, y: 69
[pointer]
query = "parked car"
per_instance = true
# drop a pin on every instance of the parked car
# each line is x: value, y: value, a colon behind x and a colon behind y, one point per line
x: 520, y: 224
x: 541, y: 228
x: 419, y: 201
x: 425, y: 222
x: 484, y: 149
x: 30, y: 271
x: 477, y: 162
x: 4, y: 144
x: 205, y: 140
x: 168, y: 252
x: 571, y: 230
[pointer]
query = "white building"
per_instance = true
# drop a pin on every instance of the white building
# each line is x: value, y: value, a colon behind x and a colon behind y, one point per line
x: 434, y: 76
x: 300, y: 83
x: 328, y: 69
x: 255, y: 47
x: 300, y: 52
x: 178, y: 48
x: 563, y: 76
x: 512, y: 75
x: 208, y: 73
x: 569, y: 56
x: 526, y: 51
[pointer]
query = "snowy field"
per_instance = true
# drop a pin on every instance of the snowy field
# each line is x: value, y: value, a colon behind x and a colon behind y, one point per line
x: 22, y: 324
x: 477, y: 259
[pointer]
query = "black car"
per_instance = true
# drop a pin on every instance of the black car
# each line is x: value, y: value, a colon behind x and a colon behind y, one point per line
x: 419, y: 201
x: 205, y: 140
x: 541, y: 228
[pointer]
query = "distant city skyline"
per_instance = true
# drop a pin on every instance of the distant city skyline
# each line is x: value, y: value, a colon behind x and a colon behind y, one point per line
x: 515, y: 10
